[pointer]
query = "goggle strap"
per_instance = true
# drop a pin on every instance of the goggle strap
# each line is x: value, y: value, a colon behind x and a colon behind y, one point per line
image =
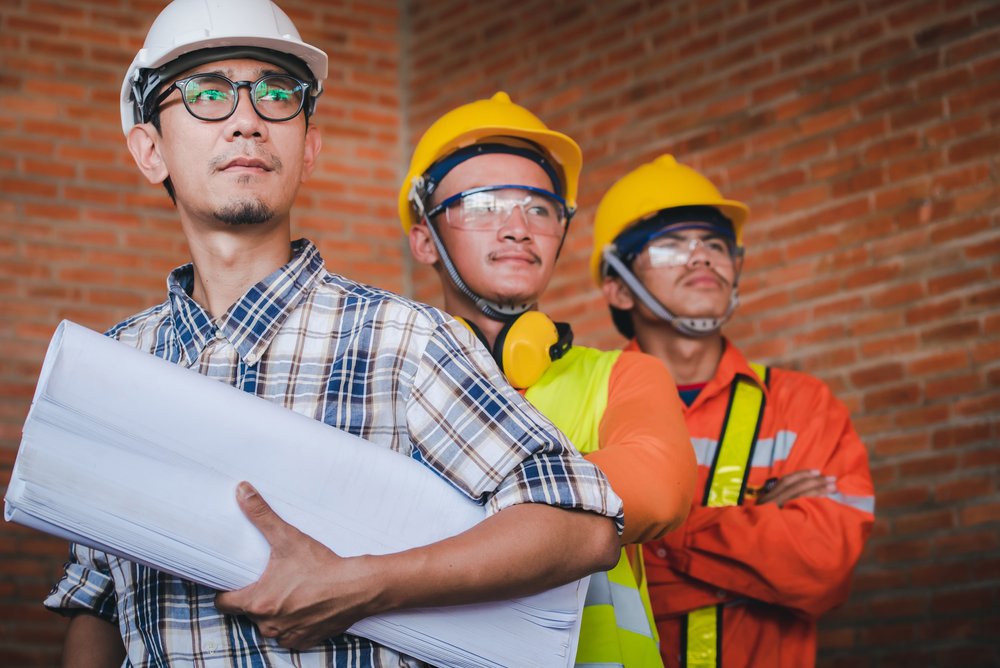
x: 486, y: 307
x: 693, y: 327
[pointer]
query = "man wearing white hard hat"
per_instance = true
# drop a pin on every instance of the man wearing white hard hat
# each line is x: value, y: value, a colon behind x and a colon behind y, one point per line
x: 259, y: 311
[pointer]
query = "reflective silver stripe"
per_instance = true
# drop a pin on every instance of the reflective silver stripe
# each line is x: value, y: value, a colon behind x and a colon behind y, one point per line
x: 771, y: 450
x: 767, y: 452
x: 865, y: 504
x: 630, y: 614
x: 629, y: 611
x: 599, y: 591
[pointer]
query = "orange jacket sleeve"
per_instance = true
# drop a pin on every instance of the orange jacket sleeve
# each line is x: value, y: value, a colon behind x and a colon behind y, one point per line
x: 645, y: 447
x: 800, y: 556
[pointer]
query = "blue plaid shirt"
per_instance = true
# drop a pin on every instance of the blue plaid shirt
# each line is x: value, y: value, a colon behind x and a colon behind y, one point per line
x: 399, y: 374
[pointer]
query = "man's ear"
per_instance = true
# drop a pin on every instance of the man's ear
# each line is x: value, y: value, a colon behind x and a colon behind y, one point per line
x: 314, y: 142
x: 617, y: 294
x: 422, y: 245
x: 144, y: 144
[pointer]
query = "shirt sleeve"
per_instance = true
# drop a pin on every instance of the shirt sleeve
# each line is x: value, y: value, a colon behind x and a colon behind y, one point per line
x: 86, y: 586
x: 645, y: 449
x: 800, y: 556
x: 469, y: 425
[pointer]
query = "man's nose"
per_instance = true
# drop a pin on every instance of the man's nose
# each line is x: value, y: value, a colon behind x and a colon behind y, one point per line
x: 515, y: 224
x: 245, y: 121
x: 698, y: 253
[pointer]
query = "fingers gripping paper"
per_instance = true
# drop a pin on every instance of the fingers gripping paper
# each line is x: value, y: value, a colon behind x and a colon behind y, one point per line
x: 138, y: 457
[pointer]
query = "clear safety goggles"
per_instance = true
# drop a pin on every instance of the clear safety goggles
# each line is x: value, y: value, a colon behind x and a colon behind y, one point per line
x: 213, y: 97
x: 671, y: 250
x: 490, y: 207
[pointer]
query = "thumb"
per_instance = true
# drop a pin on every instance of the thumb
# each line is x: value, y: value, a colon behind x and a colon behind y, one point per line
x: 260, y: 514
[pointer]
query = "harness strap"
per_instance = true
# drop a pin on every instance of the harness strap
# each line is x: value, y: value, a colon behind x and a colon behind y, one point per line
x: 701, y: 629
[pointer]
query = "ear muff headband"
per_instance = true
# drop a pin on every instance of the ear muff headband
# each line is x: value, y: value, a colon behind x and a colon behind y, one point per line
x: 526, y: 346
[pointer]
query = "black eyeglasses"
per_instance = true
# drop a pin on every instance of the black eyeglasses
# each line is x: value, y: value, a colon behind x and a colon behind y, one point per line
x: 213, y: 97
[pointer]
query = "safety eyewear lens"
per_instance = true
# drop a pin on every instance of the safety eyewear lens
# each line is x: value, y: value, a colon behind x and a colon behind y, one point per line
x: 670, y: 251
x: 213, y: 97
x: 543, y: 212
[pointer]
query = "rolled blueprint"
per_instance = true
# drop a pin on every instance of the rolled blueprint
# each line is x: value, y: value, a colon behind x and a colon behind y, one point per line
x: 133, y: 455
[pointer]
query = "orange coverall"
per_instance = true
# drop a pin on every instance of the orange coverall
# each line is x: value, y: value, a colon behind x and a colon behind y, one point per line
x: 775, y: 570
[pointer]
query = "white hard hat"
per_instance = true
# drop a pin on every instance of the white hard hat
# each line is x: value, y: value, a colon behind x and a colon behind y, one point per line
x: 236, y: 28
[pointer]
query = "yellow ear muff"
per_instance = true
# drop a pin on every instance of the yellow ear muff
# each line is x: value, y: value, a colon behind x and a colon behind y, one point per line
x: 526, y: 346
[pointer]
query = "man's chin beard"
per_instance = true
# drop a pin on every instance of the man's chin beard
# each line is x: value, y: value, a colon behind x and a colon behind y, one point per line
x: 247, y: 212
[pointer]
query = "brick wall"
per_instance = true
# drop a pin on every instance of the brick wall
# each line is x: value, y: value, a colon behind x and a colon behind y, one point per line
x: 862, y: 134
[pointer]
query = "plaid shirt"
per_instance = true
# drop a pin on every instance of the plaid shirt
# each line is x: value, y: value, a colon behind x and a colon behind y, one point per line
x: 399, y: 374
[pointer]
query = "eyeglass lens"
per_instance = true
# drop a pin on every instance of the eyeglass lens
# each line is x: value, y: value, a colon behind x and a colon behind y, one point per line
x: 676, y: 252
x: 212, y: 97
x: 491, y: 209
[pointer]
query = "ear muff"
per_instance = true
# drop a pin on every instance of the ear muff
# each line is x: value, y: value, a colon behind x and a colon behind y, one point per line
x: 527, y: 346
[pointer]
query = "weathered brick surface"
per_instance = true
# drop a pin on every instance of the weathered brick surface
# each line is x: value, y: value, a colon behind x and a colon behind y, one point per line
x: 862, y: 133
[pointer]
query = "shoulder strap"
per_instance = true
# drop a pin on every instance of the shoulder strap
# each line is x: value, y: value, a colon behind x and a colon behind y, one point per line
x: 701, y: 629
x: 727, y: 478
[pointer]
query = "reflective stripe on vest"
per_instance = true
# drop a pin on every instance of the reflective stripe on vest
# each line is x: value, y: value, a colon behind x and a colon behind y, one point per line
x: 617, y: 630
x: 701, y: 630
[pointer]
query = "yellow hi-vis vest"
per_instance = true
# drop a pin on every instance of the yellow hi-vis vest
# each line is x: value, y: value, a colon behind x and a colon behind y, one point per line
x: 701, y: 631
x: 617, y: 627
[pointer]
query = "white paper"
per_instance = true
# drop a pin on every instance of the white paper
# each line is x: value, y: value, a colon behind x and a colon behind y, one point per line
x: 138, y: 457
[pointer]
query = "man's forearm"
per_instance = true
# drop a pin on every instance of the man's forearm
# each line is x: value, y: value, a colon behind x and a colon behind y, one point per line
x: 519, y: 551
x: 92, y: 642
x: 308, y: 592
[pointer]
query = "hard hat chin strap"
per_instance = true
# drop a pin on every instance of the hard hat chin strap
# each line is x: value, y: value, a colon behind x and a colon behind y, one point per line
x: 692, y: 327
x: 490, y: 309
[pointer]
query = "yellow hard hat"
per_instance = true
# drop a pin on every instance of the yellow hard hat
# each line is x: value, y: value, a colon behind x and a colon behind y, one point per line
x: 495, y: 117
x: 661, y: 184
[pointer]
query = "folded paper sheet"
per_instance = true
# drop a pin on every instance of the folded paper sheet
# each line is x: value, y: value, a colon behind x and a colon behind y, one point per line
x: 138, y: 457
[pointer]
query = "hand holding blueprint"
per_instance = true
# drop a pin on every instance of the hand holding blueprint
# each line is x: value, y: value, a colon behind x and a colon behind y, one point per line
x: 140, y: 458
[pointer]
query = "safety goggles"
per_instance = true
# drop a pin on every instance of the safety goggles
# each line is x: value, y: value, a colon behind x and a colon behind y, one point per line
x: 213, y: 97
x: 490, y: 207
x: 672, y: 250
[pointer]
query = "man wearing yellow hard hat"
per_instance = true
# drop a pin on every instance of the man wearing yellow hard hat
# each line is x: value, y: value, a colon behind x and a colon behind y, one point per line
x: 487, y: 201
x: 784, y: 499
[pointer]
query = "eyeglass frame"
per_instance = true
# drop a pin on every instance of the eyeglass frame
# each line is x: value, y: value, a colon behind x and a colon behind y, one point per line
x: 443, y: 206
x: 178, y: 85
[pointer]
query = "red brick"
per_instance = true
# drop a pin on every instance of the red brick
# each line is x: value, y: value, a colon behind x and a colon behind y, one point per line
x: 980, y: 513
x: 892, y: 397
x: 877, y: 375
x: 901, y: 551
x: 922, y: 416
x: 895, y: 344
x: 960, y: 229
x: 964, y: 488
x: 952, y: 386
x: 931, y: 465
x: 966, y: 598
x: 955, y: 331
x: 898, y: 444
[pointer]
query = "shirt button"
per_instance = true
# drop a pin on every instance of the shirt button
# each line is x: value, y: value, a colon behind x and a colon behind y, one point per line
x: 219, y: 335
x: 210, y: 646
x: 660, y: 552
